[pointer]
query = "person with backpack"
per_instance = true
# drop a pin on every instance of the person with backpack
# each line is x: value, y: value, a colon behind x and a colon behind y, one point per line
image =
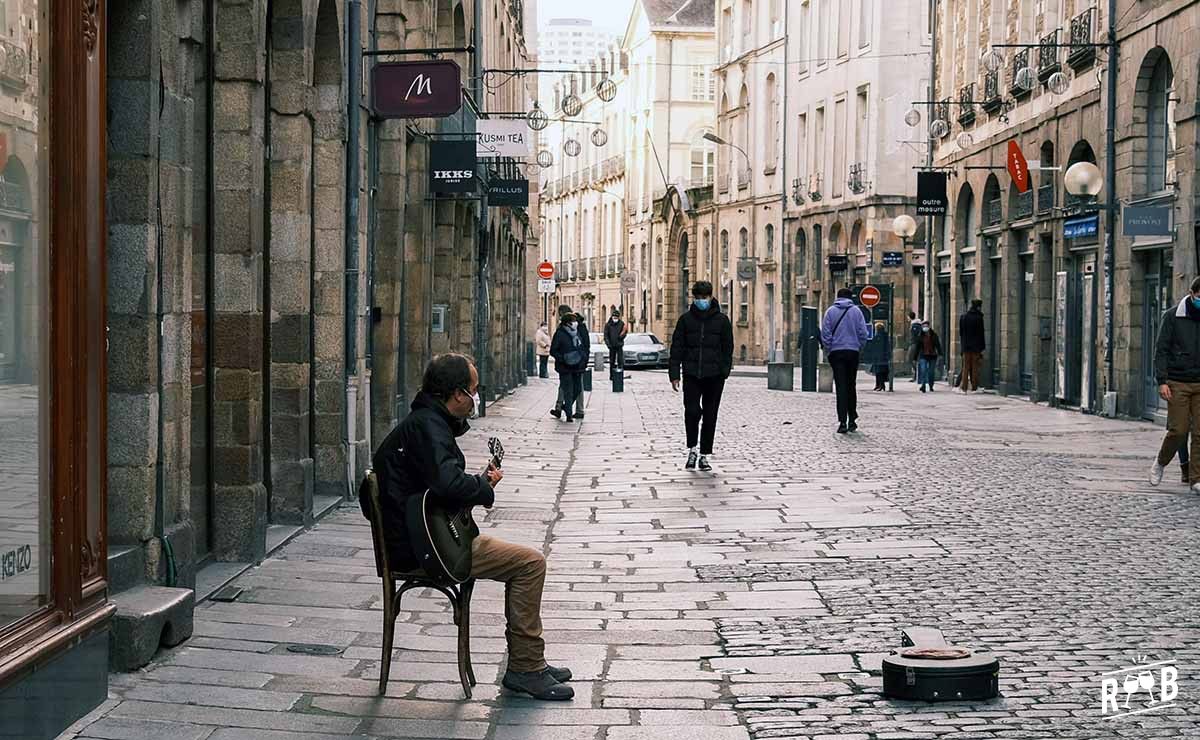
x: 929, y: 349
x: 844, y: 333
x: 571, y: 350
x: 914, y: 336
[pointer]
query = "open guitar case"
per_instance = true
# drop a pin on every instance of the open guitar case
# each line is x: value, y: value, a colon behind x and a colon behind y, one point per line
x: 928, y: 669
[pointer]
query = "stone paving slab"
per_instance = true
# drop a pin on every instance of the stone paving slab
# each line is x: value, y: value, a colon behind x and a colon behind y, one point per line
x: 753, y: 602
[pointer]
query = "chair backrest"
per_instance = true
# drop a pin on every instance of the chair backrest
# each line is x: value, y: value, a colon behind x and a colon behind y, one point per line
x: 369, y: 492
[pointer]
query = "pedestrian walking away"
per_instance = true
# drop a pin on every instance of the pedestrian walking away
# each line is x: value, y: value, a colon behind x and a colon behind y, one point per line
x: 914, y: 343
x: 702, y: 358
x: 929, y: 349
x: 571, y: 350
x: 1177, y: 372
x: 542, y: 340
x: 971, y: 331
x: 882, y: 361
x: 844, y: 332
x: 556, y: 412
x: 614, y: 338
x: 422, y: 454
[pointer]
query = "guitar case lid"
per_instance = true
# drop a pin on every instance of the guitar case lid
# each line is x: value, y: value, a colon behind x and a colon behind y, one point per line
x: 940, y: 672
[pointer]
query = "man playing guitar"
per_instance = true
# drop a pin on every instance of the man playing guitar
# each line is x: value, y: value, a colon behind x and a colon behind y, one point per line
x: 422, y: 454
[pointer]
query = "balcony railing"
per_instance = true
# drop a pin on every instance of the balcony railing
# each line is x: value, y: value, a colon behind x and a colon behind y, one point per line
x: 743, y: 178
x: 14, y: 65
x: 1045, y: 198
x: 992, y: 99
x: 966, y: 106
x: 856, y: 180
x: 1083, y: 29
x: 1048, y: 57
x: 942, y: 112
x: 1021, y: 206
x: 1020, y: 61
x: 992, y: 212
x: 1077, y: 203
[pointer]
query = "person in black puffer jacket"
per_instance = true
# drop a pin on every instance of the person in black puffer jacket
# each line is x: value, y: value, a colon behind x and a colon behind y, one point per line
x: 1177, y: 370
x: 702, y: 355
x: 571, y: 350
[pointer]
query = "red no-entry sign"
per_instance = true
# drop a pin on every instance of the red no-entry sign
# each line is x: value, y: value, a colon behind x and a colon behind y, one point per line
x: 546, y: 270
x: 870, y: 296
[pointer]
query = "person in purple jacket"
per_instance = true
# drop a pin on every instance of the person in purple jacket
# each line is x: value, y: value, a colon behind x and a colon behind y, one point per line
x: 844, y: 332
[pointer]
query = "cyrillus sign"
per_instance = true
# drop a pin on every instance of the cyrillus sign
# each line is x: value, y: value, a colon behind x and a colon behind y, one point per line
x: 452, y: 166
x: 431, y: 89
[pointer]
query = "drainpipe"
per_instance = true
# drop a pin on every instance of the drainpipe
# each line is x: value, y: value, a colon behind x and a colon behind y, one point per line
x: 929, y: 160
x: 160, y: 487
x: 1110, y: 155
x: 783, y: 184
x: 353, y: 104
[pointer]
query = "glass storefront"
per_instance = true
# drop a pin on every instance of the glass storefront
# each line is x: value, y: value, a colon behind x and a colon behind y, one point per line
x: 24, y: 496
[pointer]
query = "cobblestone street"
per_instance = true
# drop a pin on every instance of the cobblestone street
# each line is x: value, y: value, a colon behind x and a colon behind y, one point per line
x: 753, y: 602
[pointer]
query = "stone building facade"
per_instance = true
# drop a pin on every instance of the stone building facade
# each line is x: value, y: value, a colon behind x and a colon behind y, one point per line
x: 1037, y: 259
x: 278, y: 272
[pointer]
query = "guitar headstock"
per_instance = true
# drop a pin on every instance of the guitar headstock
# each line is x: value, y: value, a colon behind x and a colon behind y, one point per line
x: 496, y: 447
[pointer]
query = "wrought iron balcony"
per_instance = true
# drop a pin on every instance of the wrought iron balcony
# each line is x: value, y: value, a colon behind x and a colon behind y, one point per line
x: 14, y: 65
x: 966, y: 105
x: 942, y: 112
x: 1021, y: 206
x: 992, y: 99
x: 992, y: 212
x: 1083, y: 29
x: 814, y: 187
x: 743, y: 178
x: 856, y: 181
x: 798, y: 190
x: 1020, y: 61
x: 1045, y: 198
x: 1079, y: 203
x: 1048, y: 57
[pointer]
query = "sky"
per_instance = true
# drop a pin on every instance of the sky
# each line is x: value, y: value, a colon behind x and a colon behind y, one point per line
x: 611, y: 14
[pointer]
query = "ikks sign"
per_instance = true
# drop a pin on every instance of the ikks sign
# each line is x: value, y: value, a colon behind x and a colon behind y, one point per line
x: 430, y: 89
x: 502, y: 137
x: 508, y: 193
x: 452, y: 166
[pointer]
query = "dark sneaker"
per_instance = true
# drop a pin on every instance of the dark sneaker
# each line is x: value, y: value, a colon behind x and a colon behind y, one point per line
x: 691, y: 461
x: 562, y: 675
x: 568, y: 418
x: 1183, y: 477
x: 841, y: 429
x: 922, y: 387
x: 556, y: 413
x: 579, y: 416
x: 704, y: 464
x: 852, y: 426
x: 538, y: 684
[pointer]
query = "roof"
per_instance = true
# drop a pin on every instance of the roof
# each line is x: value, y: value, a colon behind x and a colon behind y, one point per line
x: 683, y: 13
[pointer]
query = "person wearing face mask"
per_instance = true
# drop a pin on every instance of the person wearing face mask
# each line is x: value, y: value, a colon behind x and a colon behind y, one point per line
x: 929, y: 349
x: 422, y: 454
x: 542, y: 339
x: 702, y: 357
x: 1177, y: 370
x: 571, y: 350
x: 614, y: 337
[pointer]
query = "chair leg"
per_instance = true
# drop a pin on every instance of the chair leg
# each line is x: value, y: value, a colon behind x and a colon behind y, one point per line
x: 456, y: 605
x: 464, y: 630
x: 391, y: 609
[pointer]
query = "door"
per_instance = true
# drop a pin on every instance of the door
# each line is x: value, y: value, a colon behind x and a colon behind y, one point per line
x: 993, y: 326
x: 771, y: 323
x: 1156, y: 289
x: 1027, y: 325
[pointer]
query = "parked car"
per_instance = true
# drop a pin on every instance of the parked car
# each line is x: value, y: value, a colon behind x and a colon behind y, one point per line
x: 645, y: 350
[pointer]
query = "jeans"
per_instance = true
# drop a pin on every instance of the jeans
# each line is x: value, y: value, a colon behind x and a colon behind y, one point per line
x: 701, y: 401
x: 1183, y: 421
x: 844, y: 363
x: 926, y: 367
x: 570, y: 388
x: 616, y: 359
x: 971, y: 364
x: 522, y: 570
x: 1183, y: 453
x: 544, y: 366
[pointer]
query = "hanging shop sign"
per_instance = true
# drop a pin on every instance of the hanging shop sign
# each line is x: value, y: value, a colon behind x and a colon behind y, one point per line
x: 1018, y: 167
x: 1146, y: 221
x: 931, y: 194
x: 508, y: 192
x: 452, y: 166
x: 429, y: 89
x: 1082, y: 227
x: 503, y: 137
x: 838, y: 263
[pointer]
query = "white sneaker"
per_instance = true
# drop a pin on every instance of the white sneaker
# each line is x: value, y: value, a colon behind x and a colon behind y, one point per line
x: 1196, y: 488
x: 1156, y: 474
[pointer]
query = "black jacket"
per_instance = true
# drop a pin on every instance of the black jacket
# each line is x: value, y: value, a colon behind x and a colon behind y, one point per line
x: 937, y: 345
x: 702, y: 344
x: 562, y: 343
x: 1177, y: 352
x: 970, y: 330
x: 422, y: 454
x: 614, y: 334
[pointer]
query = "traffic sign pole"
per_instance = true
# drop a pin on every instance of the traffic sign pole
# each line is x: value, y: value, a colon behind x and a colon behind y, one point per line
x: 891, y: 336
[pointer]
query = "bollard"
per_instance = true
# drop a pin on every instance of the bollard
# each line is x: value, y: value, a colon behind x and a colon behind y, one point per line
x: 587, y: 380
x: 618, y: 382
x: 780, y: 376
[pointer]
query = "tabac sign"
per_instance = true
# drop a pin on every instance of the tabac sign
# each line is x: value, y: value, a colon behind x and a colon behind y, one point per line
x: 428, y: 89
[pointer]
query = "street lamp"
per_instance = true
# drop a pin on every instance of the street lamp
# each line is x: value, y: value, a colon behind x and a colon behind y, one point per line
x: 905, y: 226
x: 710, y: 136
x: 1083, y: 180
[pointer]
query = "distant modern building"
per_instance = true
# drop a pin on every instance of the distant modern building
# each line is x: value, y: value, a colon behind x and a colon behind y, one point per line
x: 570, y: 43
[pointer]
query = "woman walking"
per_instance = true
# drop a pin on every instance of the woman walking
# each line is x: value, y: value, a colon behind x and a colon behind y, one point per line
x: 882, y: 367
x: 542, y: 339
x: 570, y: 349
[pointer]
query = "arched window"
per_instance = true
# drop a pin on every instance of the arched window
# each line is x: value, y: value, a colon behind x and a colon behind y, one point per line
x: 707, y: 240
x: 772, y: 144
x: 1160, y: 128
x: 743, y: 127
x: 818, y: 249
x: 801, y: 252
x: 769, y: 238
x: 703, y: 160
x: 724, y: 249
x: 743, y: 243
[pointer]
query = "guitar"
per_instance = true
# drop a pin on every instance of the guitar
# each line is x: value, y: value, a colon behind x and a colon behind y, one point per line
x: 442, y: 537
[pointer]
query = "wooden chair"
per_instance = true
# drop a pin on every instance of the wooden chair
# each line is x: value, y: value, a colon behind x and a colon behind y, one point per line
x: 459, y: 595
